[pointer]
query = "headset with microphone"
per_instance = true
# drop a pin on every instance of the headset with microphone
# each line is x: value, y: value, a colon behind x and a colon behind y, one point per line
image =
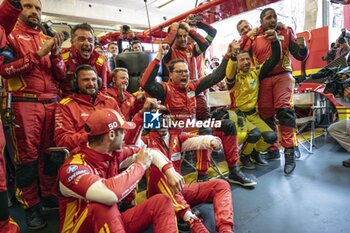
x: 74, y: 82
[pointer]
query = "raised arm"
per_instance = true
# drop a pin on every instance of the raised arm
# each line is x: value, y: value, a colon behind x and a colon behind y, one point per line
x: 297, y: 47
x: 202, y: 43
x: 148, y: 80
x: 10, y: 11
x: 11, y: 66
x: 211, y: 33
x: 276, y: 54
x: 231, y: 69
x: 216, y: 76
x: 170, y: 39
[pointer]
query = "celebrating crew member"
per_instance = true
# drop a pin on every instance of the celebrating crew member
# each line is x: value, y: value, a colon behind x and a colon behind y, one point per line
x: 178, y: 95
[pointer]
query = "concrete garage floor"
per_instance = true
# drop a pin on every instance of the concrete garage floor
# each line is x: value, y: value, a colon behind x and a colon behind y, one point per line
x: 314, y: 199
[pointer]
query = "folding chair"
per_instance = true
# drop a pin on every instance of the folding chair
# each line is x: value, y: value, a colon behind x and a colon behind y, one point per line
x: 218, y: 99
x: 308, y: 104
x: 58, y: 154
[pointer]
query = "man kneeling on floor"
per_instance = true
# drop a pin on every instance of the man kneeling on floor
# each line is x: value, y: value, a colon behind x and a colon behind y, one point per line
x: 91, y: 187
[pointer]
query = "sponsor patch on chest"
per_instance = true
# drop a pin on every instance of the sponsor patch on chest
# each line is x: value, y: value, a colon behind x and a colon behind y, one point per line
x: 191, y: 94
x: 176, y: 156
x: 280, y: 37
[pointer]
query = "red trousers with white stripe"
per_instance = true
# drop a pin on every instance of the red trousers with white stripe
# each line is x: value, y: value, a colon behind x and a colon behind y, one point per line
x: 216, y: 191
x: 157, y: 210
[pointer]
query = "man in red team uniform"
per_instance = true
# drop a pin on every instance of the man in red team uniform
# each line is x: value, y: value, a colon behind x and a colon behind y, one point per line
x: 72, y: 111
x: 216, y: 191
x: 91, y: 186
x: 276, y: 89
x: 129, y: 104
x: 8, y: 17
x: 33, y: 93
x: 189, y: 45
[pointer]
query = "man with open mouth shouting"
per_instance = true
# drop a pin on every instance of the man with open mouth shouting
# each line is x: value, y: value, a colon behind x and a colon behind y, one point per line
x: 82, y: 52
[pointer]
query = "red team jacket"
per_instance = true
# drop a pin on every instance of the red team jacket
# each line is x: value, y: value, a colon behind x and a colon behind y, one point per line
x: 129, y: 106
x: 71, y: 115
x: 29, y: 75
x: 261, y: 48
x: 85, y: 168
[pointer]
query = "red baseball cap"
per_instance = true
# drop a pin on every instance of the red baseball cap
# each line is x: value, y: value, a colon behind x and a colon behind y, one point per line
x: 104, y: 120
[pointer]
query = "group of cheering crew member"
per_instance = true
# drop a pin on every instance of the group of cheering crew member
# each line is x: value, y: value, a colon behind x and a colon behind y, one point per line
x: 91, y: 124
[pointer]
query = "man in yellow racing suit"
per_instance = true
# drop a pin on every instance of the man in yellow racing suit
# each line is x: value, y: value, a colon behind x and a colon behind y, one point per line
x: 243, y: 84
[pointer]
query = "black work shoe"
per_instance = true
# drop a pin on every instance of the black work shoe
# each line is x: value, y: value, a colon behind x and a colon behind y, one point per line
x: 49, y: 203
x: 289, y: 157
x: 244, y: 161
x: 236, y: 176
x: 202, y: 177
x: 34, y: 218
x: 346, y: 163
x: 272, y: 155
x: 257, y: 158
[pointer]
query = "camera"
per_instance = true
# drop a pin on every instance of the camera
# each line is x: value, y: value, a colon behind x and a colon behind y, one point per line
x: 126, y: 29
x: 48, y: 29
x: 335, y: 82
x: 337, y: 87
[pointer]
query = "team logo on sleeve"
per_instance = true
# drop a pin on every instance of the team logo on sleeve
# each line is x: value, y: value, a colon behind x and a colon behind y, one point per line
x: 72, y: 168
x: 76, y: 174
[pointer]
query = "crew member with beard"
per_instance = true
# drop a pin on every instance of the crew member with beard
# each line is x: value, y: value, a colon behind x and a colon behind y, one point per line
x: 29, y: 80
x: 243, y: 84
x: 276, y: 88
x: 129, y: 104
x: 82, y: 52
x: 72, y: 111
